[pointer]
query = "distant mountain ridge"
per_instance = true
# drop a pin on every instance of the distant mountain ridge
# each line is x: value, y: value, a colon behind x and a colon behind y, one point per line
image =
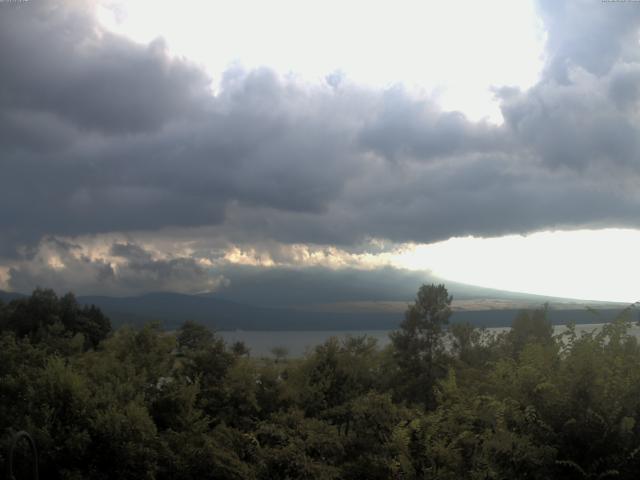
x: 172, y: 309
x: 302, y: 288
x: 6, y: 297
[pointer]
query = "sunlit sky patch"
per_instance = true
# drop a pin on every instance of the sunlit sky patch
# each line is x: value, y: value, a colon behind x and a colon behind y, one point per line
x: 456, y: 51
x: 583, y: 264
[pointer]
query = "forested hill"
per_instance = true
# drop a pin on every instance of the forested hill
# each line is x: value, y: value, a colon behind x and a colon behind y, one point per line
x: 440, y: 401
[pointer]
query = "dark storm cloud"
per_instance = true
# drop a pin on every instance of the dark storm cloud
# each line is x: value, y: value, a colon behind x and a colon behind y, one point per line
x: 477, y: 197
x: 403, y: 127
x: 588, y: 123
x: 100, y: 134
x: 55, y: 60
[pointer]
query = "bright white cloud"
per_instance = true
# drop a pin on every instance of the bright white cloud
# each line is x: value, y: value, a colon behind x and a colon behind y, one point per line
x: 458, y: 50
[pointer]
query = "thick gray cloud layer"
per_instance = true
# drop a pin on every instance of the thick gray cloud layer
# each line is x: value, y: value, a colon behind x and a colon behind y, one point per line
x: 100, y: 134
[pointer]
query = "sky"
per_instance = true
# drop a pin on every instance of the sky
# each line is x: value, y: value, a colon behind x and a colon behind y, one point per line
x: 167, y: 146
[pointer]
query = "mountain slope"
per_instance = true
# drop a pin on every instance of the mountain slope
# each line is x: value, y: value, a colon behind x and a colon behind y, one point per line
x: 6, y: 297
x: 172, y: 309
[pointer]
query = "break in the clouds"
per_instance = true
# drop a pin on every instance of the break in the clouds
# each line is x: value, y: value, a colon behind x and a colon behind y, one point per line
x: 102, y: 135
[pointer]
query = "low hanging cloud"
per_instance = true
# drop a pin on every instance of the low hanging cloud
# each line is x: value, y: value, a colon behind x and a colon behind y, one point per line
x: 99, y: 134
x: 266, y: 274
x: 127, y: 269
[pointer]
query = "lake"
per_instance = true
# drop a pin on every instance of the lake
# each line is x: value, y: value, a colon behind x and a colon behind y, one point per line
x: 298, y: 342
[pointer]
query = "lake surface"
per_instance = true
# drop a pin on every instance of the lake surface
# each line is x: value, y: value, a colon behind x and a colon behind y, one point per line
x: 299, y: 342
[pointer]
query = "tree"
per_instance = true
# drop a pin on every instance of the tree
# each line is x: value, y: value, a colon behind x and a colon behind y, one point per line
x: 193, y: 336
x: 419, y: 344
x: 43, y: 317
x: 240, y: 349
x: 280, y: 353
x: 530, y: 327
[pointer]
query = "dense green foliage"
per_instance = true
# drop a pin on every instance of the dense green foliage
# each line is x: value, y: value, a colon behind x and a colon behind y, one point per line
x: 439, y: 402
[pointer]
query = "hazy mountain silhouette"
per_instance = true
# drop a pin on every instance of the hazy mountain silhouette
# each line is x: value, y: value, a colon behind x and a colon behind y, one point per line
x: 6, y: 297
x: 172, y: 309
